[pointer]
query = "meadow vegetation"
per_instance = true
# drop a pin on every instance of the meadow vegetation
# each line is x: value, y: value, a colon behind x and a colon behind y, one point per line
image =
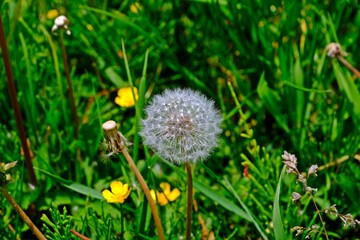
x: 289, y: 105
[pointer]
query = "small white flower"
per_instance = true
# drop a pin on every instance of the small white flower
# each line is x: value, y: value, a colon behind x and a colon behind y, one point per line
x: 61, y: 22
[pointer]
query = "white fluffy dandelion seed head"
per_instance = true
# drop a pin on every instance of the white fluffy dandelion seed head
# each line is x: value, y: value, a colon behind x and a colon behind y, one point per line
x: 181, y: 126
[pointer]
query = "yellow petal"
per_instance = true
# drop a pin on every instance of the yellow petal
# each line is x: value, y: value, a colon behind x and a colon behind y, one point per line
x: 116, y: 187
x: 125, y: 97
x: 127, y: 194
x: 52, y: 14
x: 175, y: 193
x: 109, y: 196
x: 125, y: 189
x: 119, y: 101
x: 152, y: 192
x: 162, y: 199
x: 165, y: 187
x: 119, y: 199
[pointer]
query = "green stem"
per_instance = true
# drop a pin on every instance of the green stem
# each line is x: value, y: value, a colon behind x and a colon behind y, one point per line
x: 189, y: 201
x: 121, y: 222
x: 318, y: 212
x: 242, y: 115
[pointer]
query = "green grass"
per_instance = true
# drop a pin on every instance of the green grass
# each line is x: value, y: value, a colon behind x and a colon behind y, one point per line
x: 263, y: 62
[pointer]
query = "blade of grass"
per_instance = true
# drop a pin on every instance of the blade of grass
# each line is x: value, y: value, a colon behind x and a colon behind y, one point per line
x: 272, y: 101
x: 306, y: 89
x: 215, y: 196
x: 140, y: 107
x: 125, y: 20
x: 76, y: 187
x: 57, y: 70
x: 298, y: 79
x: 277, y: 221
x: 242, y: 121
x: 114, y: 77
x: 247, y: 210
x: 30, y: 109
x: 348, y: 86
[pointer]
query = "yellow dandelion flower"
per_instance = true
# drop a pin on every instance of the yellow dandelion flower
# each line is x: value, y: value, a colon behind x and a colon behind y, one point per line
x: 135, y: 7
x: 119, y: 192
x: 90, y: 27
x: 52, y: 14
x: 166, y: 195
x: 125, y: 97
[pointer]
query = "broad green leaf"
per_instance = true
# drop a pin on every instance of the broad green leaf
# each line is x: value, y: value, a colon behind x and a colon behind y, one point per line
x: 114, y: 77
x: 215, y: 196
x: 76, y: 187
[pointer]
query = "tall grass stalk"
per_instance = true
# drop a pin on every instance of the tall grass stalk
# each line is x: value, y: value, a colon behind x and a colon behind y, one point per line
x: 15, y: 105
x: 139, y: 103
x: 68, y: 80
x: 319, y: 214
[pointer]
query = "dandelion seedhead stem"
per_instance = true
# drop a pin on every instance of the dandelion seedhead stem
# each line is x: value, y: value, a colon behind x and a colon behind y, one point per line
x: 116, y: 144
x: 189, y: 201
